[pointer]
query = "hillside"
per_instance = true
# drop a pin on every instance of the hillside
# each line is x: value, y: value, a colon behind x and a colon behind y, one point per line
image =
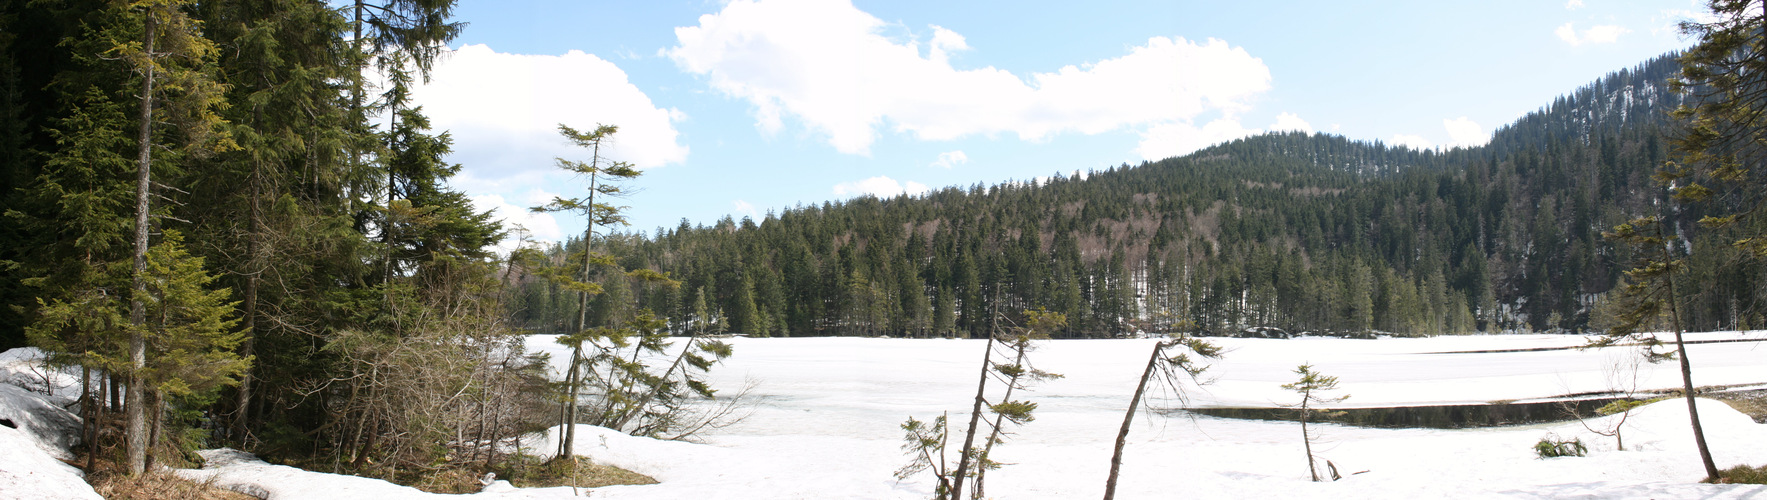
x: 1296, y: 231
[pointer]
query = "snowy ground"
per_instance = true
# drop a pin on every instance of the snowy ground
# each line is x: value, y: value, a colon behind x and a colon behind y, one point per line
x: 825, y: 425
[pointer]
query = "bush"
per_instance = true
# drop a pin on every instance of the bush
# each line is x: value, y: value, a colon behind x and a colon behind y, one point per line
x: 1743, y: 474
x: 1552, y: 446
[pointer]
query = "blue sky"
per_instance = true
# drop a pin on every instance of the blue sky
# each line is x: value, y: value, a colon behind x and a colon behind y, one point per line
x: 741, y: 107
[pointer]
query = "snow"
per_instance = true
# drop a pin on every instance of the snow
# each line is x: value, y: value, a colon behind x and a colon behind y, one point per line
x: 35, y: 433
x: 827, y: 411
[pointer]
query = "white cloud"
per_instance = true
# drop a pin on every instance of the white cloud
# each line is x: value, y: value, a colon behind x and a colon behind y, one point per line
x: 1574, y: 4
x: 1167, y: 140
x: 746, y: 208
x: 1606, y: 33
x: 951, y: 159
x: 1180, y: 138
x: 1291, y: 122
x: 539, y: 226
x: 1668, y: 21
x: 1411, y: 141
x: 513, y: 103
x: 1465, y: 133
x: 880, y: 186
x: 830, y: 66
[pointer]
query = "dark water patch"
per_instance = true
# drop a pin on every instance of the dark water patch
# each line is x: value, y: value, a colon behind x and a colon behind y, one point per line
x: 1455, y: 416
x: 1579, y: 347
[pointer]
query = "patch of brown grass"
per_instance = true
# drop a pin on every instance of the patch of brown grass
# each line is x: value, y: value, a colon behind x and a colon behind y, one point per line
x: 1751, y: 403
x: 527, y: 472
x: 449, y: 481
x: 157, y: 485
x: 1743, y: 474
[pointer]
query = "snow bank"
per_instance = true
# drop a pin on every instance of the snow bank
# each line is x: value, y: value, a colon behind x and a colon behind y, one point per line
x: 35, y: 433
x: 24, y: 367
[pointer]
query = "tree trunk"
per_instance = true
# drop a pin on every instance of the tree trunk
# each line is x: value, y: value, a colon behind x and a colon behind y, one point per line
x: 1110, y: 483
x: 89, y: 418
x: 159, y: 416
x: 582, y: 312
x: 1307, y: 439
x: 1693, y: 413
x: 135, y: 418
x: 975, y: 416
x: 242, y: 405
x: 1686, y: 373
x: 994, y: 435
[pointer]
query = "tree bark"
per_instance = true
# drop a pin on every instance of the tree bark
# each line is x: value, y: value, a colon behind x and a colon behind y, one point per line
x: 135, y: 417
x: 994, y: 435
x: 570, y: 430
x: 975, y: 416
x: 242, y: 405
x: 1110, y: 483
x: 1307, y: 439
x: 1693, y: 413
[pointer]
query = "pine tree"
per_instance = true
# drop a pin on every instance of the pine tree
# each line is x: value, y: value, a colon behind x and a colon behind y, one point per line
x: 171, y: 49
x: 1723, y: 137
x: 1019, y: 341
x: 595, y: 213
x: 1169, y: 370
x: 1650, y: 294
x: 1310, y: 384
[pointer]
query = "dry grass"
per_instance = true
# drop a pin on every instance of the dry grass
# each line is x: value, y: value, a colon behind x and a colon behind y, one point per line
x: 1751, y: 403
x: 157, y: 485
x: 449, y: 481
x: 1743, y: 474
x: 589, y: 474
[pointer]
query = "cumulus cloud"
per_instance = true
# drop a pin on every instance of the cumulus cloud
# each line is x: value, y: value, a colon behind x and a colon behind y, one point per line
x: 1167, y: 140
x: 1286, y: 122
x: 1465, y: 133
x: 1410, y: 141
x: 1594, y: 34
x: 831, y: 66
x: 512, y: 104
x: 950, y: 159
x: 880, y: 186
x: 1574, y: 4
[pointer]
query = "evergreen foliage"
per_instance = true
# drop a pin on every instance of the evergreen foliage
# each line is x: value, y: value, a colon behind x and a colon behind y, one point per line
x: 1309, y: 386
x: 1306, y: 233
x: 1554, y: 447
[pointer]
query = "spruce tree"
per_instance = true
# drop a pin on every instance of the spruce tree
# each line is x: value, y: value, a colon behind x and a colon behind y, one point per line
x: 1722, y: 141
x: 170, y: 49
x: 1309, y: 385
x: 1649, y: 296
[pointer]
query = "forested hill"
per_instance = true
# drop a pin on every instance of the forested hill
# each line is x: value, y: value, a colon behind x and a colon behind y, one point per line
x: 1297, y: 231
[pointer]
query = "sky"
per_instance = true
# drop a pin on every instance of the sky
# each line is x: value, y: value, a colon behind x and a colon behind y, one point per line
x: 743, y: 107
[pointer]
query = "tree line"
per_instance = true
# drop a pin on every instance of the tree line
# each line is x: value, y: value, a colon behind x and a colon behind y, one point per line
x: 1303, y: 232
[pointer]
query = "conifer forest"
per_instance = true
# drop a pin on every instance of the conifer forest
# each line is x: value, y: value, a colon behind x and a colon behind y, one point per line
x: 233, y: 219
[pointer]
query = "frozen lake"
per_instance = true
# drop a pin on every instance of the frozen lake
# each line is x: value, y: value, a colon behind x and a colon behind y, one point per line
x: 827, y: 412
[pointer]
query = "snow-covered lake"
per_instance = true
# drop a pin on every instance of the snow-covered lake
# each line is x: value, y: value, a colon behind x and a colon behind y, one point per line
x: 828, y: 409
x: 825, y: 425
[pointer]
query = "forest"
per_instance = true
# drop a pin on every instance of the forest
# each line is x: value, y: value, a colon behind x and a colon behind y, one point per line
x: 1306, y: 233
x: 232, y: 220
